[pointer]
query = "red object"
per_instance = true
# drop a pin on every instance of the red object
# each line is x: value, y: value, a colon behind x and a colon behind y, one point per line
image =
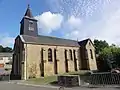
x: 1, y: 65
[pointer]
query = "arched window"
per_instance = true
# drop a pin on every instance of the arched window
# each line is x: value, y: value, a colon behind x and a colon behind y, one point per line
x: 31, y: 26
x: 50, y: 55
x: 70, y: 54
x: 86, y: 54
x: 75, y: 62
x: 91, y: 54
x: 74, y: 54
x: 65, y: 54
x: 89, y: 43
x: 66, y: 61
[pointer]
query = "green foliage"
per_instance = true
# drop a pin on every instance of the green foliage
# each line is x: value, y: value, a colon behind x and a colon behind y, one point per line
x: 112, y: 55
x: 108, y: 56
x: 100, y: 45
x: 5, y: 49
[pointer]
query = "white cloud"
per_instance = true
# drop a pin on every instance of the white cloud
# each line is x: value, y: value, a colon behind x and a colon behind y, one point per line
x: 72, y: 35
x: 106, y: 28
x: 48, y: 22
x: 111, y: 29
x: 6, y: 40
x: 98, y: 19
x: 74, y: 22
x: 71, y: 26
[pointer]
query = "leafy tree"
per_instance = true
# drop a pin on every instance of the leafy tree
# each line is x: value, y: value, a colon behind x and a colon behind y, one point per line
x: 107, y: 55
x: 100, y: 45
x: 5, y: 49
x: 109, y: 58
x: 1, y: 48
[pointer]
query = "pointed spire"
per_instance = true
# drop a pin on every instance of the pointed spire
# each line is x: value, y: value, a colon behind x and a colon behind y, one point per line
x: 28, y: 5
x: 28, y: 12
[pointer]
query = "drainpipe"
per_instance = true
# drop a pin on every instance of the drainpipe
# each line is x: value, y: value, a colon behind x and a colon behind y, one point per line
x: 25, y: 77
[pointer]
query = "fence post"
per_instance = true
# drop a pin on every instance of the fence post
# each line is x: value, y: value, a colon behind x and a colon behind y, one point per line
x: 79, y: 80
x: 9, y: 78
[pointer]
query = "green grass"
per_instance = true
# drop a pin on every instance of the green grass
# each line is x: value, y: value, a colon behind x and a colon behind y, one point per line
x: 52, y: 79
x: 76, y: 73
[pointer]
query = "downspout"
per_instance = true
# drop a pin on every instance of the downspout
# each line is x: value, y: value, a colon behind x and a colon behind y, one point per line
x: 26, y: 61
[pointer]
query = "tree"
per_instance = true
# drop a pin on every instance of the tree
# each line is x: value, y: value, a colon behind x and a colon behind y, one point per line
x: 5, y: 49
x: 1, y: 48
x: 107, y: 55
x: 109, y: 58
x: 100, y: 45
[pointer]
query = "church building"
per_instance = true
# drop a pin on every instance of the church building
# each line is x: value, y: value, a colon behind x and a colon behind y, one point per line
x: 38, y: 56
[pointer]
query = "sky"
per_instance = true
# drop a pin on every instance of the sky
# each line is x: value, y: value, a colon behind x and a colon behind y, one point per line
x: 70, y: 19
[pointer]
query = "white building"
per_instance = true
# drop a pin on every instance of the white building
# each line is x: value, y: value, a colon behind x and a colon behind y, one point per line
x: 6, y: 61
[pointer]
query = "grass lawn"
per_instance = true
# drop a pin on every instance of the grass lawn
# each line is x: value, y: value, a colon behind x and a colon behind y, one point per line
x: 52, y: 79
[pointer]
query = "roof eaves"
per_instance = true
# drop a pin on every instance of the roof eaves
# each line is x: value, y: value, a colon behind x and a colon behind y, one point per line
x: 52, y: 44
x: 22, y: 38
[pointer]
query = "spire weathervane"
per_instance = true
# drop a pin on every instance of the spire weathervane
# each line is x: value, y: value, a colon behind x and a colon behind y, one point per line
x: 28, y: 5
x: 28, y: 12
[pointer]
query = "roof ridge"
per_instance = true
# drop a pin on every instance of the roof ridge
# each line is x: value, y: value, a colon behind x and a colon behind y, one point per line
x: 51, y: 37
x: 42, y: 39
x: 84, y: 40
x: 57, y: 37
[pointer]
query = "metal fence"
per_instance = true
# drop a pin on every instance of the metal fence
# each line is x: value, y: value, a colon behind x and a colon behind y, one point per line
x: 104, y: 79
x: 4, y: 77
x: 90, y: 79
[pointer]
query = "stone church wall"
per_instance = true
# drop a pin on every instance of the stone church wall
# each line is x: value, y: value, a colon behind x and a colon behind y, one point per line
x: 92, y: 61
x: 33, y: 54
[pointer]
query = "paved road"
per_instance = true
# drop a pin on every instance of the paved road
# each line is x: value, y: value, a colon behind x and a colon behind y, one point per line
x: 9, y: 86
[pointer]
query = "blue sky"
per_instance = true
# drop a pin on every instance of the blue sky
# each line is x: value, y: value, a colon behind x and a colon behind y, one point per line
x: 72, y: 19
x: 12, y: 12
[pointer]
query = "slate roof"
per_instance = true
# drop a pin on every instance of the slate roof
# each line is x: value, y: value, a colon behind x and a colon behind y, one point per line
x: 6, y: 54
x: 84, y: 42
x: 28, y: 12
x: 47, y: 40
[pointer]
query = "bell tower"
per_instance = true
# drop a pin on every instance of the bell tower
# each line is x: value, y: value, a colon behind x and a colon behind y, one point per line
x: 28, y: 24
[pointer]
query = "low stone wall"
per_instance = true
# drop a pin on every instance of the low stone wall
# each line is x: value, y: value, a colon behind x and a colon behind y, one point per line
x: 69, y: 80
